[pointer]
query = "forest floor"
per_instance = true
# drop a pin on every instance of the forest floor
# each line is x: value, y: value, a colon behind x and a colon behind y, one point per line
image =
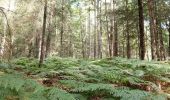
x: 76, y: 79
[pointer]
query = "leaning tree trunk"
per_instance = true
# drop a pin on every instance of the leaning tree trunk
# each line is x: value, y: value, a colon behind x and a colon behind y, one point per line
x: 7, y: 37
x: 43, y: 35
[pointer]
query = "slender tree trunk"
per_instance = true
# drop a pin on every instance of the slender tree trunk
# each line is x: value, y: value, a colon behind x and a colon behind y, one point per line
x: 152, y: 29
x: 36, y: 45
x: 30, y: 49
x: 115, y: 39
x: 89, y: 34
x: 107, y: 30
x: 95, y: 26
x: 111, y: 36
x: 138, y: 49
x: 2, y: 50
x: 169, y: 39
x: 48, y: 41
x: 100, y: 34
x: 162, y: 49
x: 83, y: 43
x: 128, y: 41
x: 141, y: 29
x: 124, y: 41
x: 62, y: 30
x: 7, y: 37
x: 128, y: 48
x: 81, y: 35
x: 43, y: 35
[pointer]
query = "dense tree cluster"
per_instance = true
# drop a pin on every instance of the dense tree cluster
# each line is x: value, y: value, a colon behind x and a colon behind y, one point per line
x: 85, y: 28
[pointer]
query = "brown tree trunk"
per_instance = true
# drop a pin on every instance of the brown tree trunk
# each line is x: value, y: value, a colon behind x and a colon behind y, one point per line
x: 89, y: 35
x: 43, y: 35
x: 153, y: 31
x: 115, y: 39
x: 107, y: 30
x: 100, y: 34
x: 30, y: 49
x: 128, y: 48
x: 48, y: 41
x: 36, y: 45
x: 96, y: 5
x: 7, y: 37
x: 124, y: 42
x: 141, y: 29
x: 62, y: 30
x: 111, y: 36
x: 169, y: 39
x: 162, y: 49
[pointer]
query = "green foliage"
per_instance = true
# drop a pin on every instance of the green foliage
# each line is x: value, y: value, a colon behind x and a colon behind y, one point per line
x: 60, y: 63
x: 73, y: 79
x: 21, y: 87
x: 26, y: 62
x: 57, y: 94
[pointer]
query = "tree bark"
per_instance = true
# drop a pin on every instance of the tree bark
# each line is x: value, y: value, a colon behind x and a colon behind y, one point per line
x: 169, y: 38
x: 43, y: 35
x: 162, y: 49
x: 141, y: 29
x: 128, y: 48
x: 62, y: 30
x: 96, y: 5
x: 89, y: 34
x: 115, y: 39
x: 100, y: 33
x: 152, y: 29
x: 48, y: 41
x: 7, y: 37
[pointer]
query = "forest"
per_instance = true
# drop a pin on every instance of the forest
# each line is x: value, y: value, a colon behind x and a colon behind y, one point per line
x: 84, y: 49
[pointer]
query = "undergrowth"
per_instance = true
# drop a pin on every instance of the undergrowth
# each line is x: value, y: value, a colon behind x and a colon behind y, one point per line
x: 75, y: 79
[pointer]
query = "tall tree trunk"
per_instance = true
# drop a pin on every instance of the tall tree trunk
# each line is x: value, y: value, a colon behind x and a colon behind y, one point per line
x: 124, y: 42
x: 48, y: 41
x: 162, y: 49
x: 128, y: 48
x: 141, y: 29
x: 89, y: 35
x: 7, y: 37
x: 112, y: 29
x: 43, y: 35
x: 36, y: 45
x: 100, y: 33
x: 153, y: 31
x: 81, y: 34
x: 2, y: 49
x: 169, y: 38
x: 107, y: 30
x: 95, y: 26
x: 30, y: 49
x: 115, y: 39
x: 62, y: 30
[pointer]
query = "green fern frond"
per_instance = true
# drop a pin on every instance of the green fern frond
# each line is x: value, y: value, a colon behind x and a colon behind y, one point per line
x: 57, y: 94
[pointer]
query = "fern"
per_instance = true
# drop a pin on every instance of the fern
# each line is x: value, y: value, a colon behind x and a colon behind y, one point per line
x: 26, y: 88
x: 57, y: 94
